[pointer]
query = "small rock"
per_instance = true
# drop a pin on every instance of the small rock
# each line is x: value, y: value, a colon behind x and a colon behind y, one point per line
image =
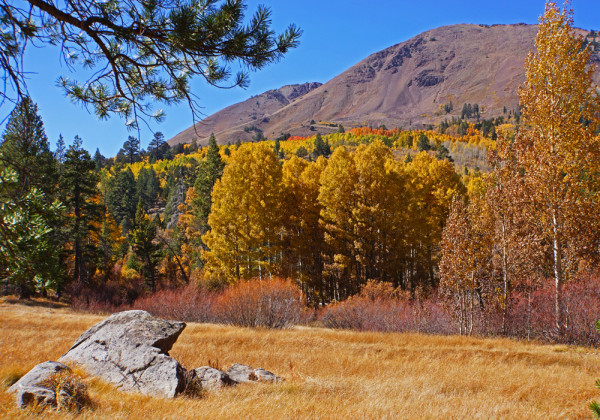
x: 35, y: 395
x: 211, y: 378
x: 131, y: 350
x: 38, y: 374
x: 31, y: 389
x: 243, y: 373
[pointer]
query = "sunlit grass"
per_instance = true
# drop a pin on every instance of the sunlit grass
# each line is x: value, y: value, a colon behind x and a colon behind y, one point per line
x: 329, y: 374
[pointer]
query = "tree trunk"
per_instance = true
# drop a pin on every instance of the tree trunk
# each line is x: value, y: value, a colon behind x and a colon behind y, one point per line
x: 558, y: 274
x: 504, y: 278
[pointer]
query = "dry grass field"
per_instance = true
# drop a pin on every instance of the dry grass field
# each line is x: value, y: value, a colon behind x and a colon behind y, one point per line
x: 329, y: 374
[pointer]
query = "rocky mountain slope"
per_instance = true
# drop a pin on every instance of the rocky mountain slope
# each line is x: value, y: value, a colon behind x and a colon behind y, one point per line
x: 406, y: 85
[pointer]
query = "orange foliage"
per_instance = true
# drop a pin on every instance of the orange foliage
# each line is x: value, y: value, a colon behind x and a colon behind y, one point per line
x: 261, y: 303
x: 365, y: 131
x: 297, y: 138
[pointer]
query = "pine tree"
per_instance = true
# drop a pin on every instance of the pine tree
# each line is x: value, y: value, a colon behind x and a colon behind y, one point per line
x: 145, y: 245
x: 99, y: 160
x: 131, y: 149
x: 29, y: 257
x: 29, y: 197
x: 61, y: 149
x: 209, y: 171
x: 277, y: 148
x: 322, y: 148
x: 25, y: 149
x: 79, y: 193
x: 155, y: 147
x: 148, y: 186
x: 121, y: 198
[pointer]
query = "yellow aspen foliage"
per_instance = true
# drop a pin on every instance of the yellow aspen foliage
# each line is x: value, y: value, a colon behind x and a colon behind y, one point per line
x: 337, y: 196
x: 381, y: 214
x: 434, y: 183
x: 365, y: 199
x: 556, y: 147
x: 246, y: 216
x: 304, y: 236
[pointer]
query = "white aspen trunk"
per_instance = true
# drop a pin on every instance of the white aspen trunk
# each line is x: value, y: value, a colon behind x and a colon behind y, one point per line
x: 557, y: 276
x: 504, y: 276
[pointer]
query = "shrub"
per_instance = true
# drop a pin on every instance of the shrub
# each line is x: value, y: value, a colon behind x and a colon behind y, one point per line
x: 105, y: 297
x: 71, y: 392
x: 260, y: 303
x: 190, y: 304
x: 381, y: 308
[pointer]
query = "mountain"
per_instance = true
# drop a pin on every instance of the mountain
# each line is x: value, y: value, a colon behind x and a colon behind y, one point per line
x: 244, y: 115
x: 406, y: 85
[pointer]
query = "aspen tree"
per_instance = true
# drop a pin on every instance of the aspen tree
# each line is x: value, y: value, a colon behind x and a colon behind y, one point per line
x: 556, y: 147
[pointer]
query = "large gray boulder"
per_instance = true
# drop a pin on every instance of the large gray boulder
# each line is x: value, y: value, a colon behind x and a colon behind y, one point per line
x: 131, y: 350
x: 32, y: 388
x: 243, y: 373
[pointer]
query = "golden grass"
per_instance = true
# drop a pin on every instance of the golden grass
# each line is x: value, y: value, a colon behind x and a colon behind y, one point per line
x: 329, y: 374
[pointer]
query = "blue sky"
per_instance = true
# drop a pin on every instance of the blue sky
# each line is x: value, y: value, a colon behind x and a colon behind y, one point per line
x: 337, y: 34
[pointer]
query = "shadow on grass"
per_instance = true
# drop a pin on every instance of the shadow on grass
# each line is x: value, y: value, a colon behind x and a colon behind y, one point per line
x: 34, y: 302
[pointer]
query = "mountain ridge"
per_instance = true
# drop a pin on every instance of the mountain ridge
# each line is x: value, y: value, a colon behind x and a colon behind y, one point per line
x: 405, y: 85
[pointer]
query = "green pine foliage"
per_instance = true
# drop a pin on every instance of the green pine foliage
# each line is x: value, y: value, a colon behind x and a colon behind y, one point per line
x: 209, y: 171
x: 26, y: 150
x: 148, y: 187
x: 29, y: 258
x: 146, y: 246
x: 121, y: 198
x: 79, y: 193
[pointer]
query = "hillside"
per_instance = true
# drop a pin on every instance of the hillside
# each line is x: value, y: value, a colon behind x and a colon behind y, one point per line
x: 373, y: 375
x: 249, y: 113
x: 405, y: 85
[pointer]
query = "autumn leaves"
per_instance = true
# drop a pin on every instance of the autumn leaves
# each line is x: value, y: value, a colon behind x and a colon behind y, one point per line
x: 333, y: 224
x: 538, y: 213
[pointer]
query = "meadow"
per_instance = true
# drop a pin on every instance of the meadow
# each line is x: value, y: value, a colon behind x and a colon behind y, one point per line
x: 328, y: 373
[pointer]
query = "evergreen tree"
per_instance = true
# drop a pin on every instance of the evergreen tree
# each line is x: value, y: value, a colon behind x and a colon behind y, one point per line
x: 138, y: 52
x: 148, y: 186
x: 29, y: 257
x: 145, y: 245
x: 61, y: 149
x: 99, y: 160
x: 80, y: 195
x: 322, y: 148
x: 156, y: 145
x: 26, y: 150
x: 193, y: 146
x: 209, y: 171
x: 302, y: 152
x: 423, y: 143
x: 121, y: 198
x: 28, y: 196
x: 131, y: 149
x: 277, y: 148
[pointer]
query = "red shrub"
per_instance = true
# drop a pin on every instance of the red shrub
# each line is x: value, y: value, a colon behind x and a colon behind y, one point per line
x: 189, y: 303
x: 260, y: 303
x: 389, y: 314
